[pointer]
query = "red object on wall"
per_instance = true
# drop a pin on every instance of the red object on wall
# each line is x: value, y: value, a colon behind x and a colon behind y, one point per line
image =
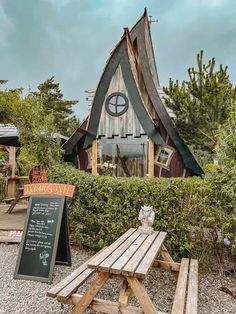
x: 37, y: 174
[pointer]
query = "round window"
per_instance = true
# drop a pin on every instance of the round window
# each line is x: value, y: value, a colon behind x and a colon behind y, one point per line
x: 116, y: 104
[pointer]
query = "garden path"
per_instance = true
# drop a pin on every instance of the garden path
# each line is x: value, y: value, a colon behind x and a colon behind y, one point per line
x: 11, y: 225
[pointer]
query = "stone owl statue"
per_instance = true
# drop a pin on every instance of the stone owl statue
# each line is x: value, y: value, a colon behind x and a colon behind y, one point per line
x: 146, y: 216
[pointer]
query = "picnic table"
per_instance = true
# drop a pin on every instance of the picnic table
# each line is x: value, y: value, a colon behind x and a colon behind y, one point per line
x: 129, y: 259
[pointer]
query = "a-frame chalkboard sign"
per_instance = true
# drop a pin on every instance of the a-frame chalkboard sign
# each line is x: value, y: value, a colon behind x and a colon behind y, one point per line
x: 45, y: 237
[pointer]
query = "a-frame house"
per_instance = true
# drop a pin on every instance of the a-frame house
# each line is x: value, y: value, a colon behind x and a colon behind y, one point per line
x: 128, y: 131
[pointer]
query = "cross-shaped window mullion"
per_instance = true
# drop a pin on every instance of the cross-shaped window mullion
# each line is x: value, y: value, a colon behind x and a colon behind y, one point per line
x: 116, y: 105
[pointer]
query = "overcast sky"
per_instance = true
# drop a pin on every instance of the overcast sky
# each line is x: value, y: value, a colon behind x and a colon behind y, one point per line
x: 72, y: 39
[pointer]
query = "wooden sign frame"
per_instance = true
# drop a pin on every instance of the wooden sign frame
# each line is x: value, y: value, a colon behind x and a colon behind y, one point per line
x: 65, y: 240
x: 48, y: 279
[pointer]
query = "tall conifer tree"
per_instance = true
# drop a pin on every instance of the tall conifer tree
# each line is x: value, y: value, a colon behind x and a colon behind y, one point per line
x: 50, y: 96
x: 201, y: 104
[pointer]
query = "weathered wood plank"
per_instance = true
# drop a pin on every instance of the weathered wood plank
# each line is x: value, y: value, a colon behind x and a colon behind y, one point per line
x: 67, y: 280
x: 62, y: 284
x: 88, y: 296
x: 125, y: 294
x: 5, y: 239
x: 151, y: 158
x: 142, y: 296
x: 150, y: 256
x: 133, y: 263
x: 165, y: 254
x: 68, y: 290
x: 128, y: 122
x: 107, y: 307
x: 94, y: 262
x: 94, y: 156
x: 117, y: 267
x: 107, y: 264
x: 180, y: 292
x: 192, y: 297
x: 167, y: 265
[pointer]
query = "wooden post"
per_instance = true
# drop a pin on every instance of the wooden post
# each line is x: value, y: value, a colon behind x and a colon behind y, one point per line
x: 125, y: 294
x: 94, y: 156
x: 12, y: 158
x: 89, y: 295
x: 11, y: 187
x: 151, y: 158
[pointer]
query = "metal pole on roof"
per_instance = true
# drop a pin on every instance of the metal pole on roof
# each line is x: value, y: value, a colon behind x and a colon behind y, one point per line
x: 152, y: 21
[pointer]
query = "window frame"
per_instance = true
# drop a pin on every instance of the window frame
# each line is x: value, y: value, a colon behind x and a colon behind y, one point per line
x: 107, y: 103
x: 171, y: 154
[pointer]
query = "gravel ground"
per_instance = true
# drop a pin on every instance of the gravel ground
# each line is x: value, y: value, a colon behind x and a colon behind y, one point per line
x: 26, y: 297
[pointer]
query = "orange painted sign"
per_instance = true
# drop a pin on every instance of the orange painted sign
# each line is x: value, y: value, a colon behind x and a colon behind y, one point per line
x: 37, y: 174
x: 49, y: 188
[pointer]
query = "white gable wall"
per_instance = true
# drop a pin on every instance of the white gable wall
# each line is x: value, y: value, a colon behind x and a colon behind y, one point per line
x: 127, y: 123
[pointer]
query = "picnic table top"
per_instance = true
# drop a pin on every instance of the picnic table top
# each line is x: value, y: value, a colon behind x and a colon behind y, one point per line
x: 131, y: 255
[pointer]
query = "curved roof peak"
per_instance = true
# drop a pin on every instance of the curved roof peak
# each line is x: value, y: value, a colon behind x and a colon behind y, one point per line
x: 141, y: 33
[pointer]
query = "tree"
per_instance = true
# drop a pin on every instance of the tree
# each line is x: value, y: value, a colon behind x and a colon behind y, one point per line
x: 8, y: 100
x: 49, y: 94
x: 201, y: 104
x: 36, y: 134
x: 226, y: 145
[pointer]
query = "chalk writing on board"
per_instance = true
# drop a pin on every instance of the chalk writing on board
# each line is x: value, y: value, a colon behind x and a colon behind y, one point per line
x: 39, y: 228
x: 43, y: 256
x: 45, y: 235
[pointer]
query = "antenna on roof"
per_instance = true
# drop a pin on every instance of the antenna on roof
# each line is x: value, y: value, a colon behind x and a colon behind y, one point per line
x: 151, y: 21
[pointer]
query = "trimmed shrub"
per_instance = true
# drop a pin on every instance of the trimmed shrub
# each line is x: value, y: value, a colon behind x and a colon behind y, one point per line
x: 197, y: 213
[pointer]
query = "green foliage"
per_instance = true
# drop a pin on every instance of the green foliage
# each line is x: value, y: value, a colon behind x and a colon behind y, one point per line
x: 36, y: 132
x: 202, y: 103
x: 49, y: 94
x: 9, y: 99
x: 36, y: 125
x: 3, y: 187
x: 226, y: 146
x: 3, y: 155
x: 193, y: 211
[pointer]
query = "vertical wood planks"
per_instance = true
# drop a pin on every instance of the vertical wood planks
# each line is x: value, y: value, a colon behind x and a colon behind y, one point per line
x: 94, y: 156
x: 151, y: 158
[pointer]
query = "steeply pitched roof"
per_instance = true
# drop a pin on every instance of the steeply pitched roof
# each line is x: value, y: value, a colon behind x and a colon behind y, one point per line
x: 122, y: 55
x: 142, y: 26
x: 75, y: 137
x: 141, y: 34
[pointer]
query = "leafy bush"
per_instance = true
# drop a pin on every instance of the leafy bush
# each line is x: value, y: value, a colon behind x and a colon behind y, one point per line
x: 197, y: 213
x: 3, y: 187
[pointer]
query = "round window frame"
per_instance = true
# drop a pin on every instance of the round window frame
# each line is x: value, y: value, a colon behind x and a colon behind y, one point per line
x: 108, y: 102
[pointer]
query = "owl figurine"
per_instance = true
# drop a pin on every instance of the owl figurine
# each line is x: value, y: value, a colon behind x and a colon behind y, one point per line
x: 146, y: 216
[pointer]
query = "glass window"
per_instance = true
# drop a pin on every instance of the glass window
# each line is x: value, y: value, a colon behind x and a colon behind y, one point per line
x: 123, y: 157
x: 164, y: 155
x: 116, y: 104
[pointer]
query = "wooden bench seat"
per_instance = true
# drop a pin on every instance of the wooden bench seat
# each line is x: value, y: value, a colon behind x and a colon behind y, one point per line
x: 186, y: 293
x: 65, y: 288
x: 9, y: 200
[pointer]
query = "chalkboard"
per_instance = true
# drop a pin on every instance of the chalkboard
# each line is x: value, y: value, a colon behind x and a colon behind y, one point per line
x: 39, y: 243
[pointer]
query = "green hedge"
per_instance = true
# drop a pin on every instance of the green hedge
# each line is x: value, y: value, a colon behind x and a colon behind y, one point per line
x: 194, y: 211
x: 3, y: 188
